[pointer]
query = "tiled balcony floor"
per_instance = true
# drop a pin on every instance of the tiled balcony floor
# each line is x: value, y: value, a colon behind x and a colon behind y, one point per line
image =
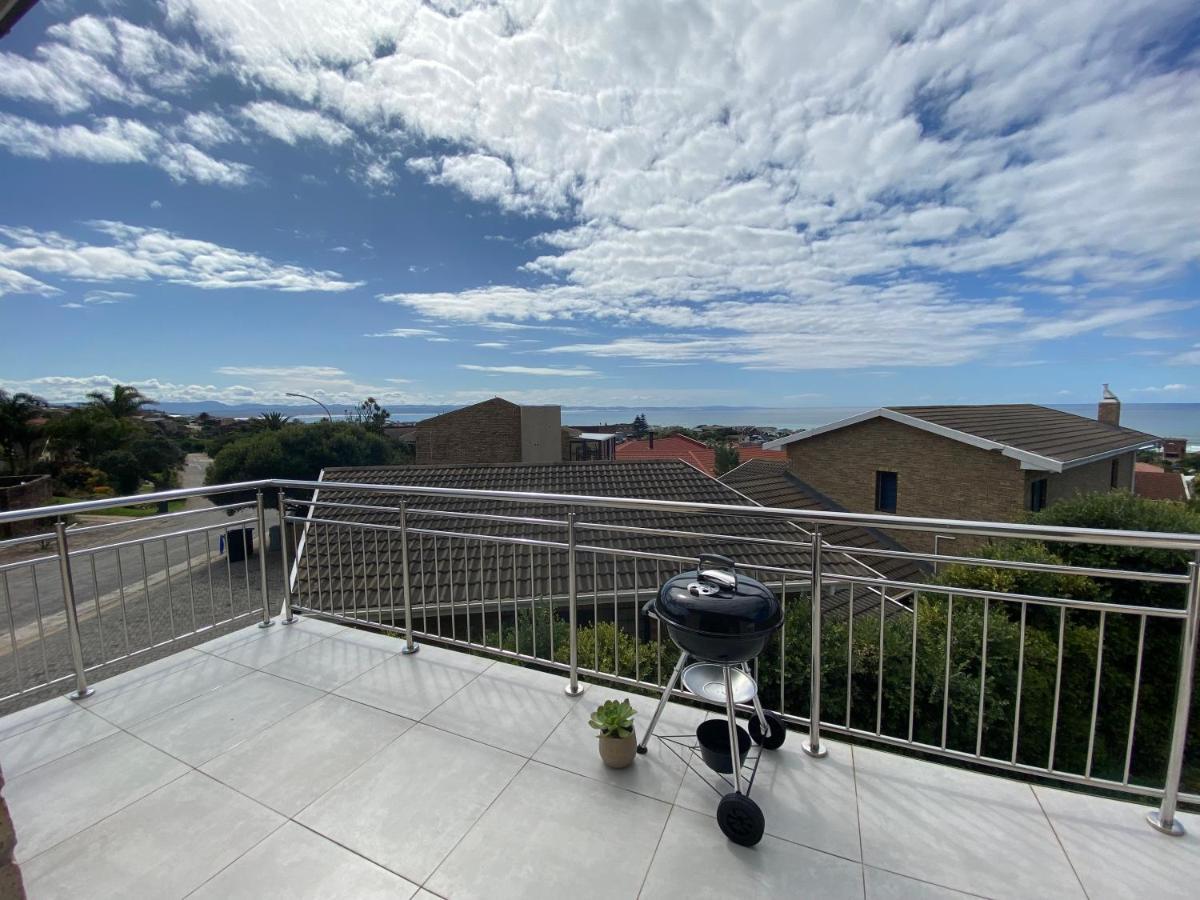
x: 314, y: 761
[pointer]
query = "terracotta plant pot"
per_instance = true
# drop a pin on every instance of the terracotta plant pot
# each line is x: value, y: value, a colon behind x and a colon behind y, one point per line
x: 618, y: 753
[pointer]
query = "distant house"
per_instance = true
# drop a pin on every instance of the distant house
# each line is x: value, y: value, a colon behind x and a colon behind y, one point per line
x: 964, y: 462
x: 581, y: 446
x: 494, y: 431
x: 691, y: 451
x: 1155, y: 483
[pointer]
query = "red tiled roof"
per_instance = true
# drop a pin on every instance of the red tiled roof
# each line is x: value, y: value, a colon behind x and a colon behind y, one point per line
x: 1160, y: 485
x: 690, y: 450
x: 1147, y: 467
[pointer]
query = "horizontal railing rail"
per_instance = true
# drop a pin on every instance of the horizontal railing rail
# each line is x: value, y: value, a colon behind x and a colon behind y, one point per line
x: 972, y: 672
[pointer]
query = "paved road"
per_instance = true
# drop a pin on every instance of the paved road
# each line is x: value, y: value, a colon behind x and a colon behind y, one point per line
x: 155, y: 584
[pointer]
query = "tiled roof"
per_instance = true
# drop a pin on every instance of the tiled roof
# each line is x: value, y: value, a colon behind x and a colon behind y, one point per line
x: 335, y: 559
x: 690, y: 450
x: 1160, y: 485
x: 1040, y: 437
x: 1047, y: 432
x: 769, y: 483
x: 1147, y: 467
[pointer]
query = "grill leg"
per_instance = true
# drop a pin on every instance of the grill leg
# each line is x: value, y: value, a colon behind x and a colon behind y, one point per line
x: 758, y: 709
x: 662, y: 703
x: 734, y: 755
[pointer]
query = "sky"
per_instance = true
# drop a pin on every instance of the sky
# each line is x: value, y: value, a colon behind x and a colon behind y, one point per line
x: 676, y: 204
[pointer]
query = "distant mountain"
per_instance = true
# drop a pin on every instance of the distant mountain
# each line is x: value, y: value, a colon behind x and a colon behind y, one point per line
x: 240, y: 410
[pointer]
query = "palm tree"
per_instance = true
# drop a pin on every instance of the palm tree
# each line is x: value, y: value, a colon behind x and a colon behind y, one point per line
x: 17, y: 431
x: 126, y: 400
x: 272, y: 421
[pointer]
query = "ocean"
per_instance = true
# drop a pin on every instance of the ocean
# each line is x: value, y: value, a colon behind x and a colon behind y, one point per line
x: 1161, y: 419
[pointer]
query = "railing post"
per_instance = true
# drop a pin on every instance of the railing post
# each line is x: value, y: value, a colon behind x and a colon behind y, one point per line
x: 573, y: 688
x: 288, y: 617
x: 409, y: 646
x: 813, y: 745
x: 261, y: 513
x: 1163, y: 818
x: 68, y: 589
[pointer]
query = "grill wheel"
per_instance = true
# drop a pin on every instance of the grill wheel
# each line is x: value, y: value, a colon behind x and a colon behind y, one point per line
x: 740, y: 819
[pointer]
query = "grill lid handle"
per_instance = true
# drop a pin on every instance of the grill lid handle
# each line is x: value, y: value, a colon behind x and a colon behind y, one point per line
x: 725, y: 577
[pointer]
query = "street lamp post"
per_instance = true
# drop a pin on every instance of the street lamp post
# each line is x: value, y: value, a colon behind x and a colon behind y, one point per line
x: 314, y: 400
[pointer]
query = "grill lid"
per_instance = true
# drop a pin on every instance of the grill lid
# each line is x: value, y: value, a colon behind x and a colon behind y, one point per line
x: 716, y: 600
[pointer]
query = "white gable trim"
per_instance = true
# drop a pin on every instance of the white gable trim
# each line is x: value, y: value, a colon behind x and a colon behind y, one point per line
x: 1027, y: 460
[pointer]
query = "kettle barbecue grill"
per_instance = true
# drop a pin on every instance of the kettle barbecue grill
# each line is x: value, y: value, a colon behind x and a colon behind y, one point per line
x: 720, y: 621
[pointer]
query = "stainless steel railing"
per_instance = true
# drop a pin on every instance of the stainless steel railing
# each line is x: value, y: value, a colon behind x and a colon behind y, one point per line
x: 946, y: 669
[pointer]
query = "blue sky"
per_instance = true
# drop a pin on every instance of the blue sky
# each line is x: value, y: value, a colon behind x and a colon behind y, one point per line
x: 807, y: 205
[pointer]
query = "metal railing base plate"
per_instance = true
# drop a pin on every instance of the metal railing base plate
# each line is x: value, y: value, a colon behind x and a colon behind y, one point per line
x: 1174, y: 829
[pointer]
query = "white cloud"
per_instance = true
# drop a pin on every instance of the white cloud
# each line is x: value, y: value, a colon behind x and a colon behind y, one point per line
x: 1164, y: 389
x: 288, y: 124
x: 143, y: 254
x: 14, y: 282
x: 404, y: 333
x: 283, y: 371
x: 577, y: 372
x: 113, y: 140
x: 209, y: 129
x: 92, y: 59
x: 1186, y: 358
x: 492, y: 345
x: 709, y: 160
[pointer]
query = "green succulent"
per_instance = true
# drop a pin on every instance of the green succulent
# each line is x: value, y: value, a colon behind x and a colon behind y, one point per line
x: 613, y: 718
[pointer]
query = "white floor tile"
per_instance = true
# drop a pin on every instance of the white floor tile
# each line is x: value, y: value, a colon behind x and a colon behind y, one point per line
x: 804, y: 800
x: 136, y: 699
x: 234, y: 638
x: 409, y: 806
x: 695, y: 860
x: 328, y: 664
x: 209, y: 725
x: 61, y: 798
x: 165, y: 845
x: 657, y: 773
x: 277, y: 643
x: 293, y: 864
x: 1116, y: 853
x: 47, y: 742
x: 508, y: 707
x: 413, y: 686
x: 576, y: 838
x: 33, y: 716
x: 971, y: 832
x: 883, y: 885
x: 299, y: 758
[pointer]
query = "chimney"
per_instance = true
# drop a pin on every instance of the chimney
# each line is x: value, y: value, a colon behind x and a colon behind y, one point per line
x: 1109, y: 410
x: 652, y: 440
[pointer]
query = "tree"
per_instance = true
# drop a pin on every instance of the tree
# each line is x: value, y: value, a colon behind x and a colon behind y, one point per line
x: 726, y: 458
x: 17, y: 429
x: 300, y: 452
x: 86, y: 433
x: 370, y: 415
x: 639, y: 425
x: 271, y: 421
x: 123, y: 403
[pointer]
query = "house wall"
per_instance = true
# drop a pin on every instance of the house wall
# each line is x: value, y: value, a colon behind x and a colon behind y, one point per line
x: 24, y: 492
x: 936, y: 476
x: 488, y: 432
x: 541, y: 434
x: 1086, y: 479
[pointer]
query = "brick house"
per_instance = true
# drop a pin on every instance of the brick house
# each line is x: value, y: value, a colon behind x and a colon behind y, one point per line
x: 964, y: 462
x: 494, y: 431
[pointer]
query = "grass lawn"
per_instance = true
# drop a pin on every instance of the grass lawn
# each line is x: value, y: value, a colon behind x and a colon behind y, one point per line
x: 136, y: 510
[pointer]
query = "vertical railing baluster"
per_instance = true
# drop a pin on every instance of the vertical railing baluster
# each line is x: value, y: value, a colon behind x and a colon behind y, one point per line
x: 879, y: 675
x: 1058, y: 667
x: 261, y: 515
x: 983, y: 678
x: 1087, y: 772
x: 1163, y: 818
x: 406, y: 581
x: 813, y: 745
x: 288, y: 617
x: 99, y: 613
x: 573, y: 688
x: 68, y: 591
x: 1020, y: 682
x: 850, y: 656
x: 12, y: 633
x: 946, y: 675
x: 912, y: 673
x: 121, y: 594
x: 1133, y: 703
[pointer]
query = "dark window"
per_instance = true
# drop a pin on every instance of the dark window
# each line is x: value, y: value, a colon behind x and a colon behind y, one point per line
x: 885, y: 491
x: 1037, y: 494
x: 1115, y: 477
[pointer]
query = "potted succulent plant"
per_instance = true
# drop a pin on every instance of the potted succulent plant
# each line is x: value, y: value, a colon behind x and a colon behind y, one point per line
x: 614, y: 720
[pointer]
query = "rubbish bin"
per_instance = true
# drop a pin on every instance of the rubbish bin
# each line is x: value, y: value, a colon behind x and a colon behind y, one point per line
x: 241, y: 543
